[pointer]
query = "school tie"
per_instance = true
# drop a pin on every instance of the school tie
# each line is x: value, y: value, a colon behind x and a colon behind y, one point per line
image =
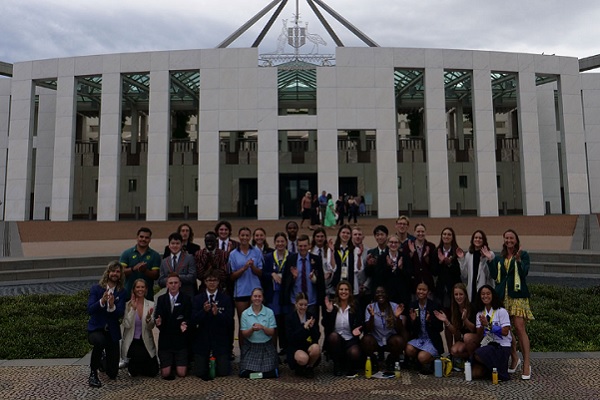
x: 304, y: 283
x: 223, y: 246
x: 174, y: 262
x: 293, y: 247
x: 320, y: 253
x: 172, y: 303
x: 212, y: 298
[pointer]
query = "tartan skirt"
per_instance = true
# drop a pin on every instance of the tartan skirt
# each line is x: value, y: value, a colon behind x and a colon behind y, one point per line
x: 258, y: 357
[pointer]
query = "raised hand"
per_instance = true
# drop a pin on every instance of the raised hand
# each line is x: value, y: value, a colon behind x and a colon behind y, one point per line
x: 399, y: 310
x: 328, y: 304
x: 440, y: 315
x: 411, y: 246
x: 441, y: 256
x: 460, y: 253
x: 356, y: 331
x: 158, y: 321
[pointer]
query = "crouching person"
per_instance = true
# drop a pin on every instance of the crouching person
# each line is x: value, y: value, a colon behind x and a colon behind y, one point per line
x: 212, y: 313
x: 106, y: 305
x: 172, y: 315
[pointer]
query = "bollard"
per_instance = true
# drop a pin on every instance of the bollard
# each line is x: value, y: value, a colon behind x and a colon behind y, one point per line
x: 547, y: 208
x: 504, y: 208
x: 47, y: 213
x: 90, y: 213
x: 409, y: 210
x: 186, y: 212
x: 137, y: 213
x: 458, y: 209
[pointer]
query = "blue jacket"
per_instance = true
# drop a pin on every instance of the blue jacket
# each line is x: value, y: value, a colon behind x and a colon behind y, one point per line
x: 100, y: 318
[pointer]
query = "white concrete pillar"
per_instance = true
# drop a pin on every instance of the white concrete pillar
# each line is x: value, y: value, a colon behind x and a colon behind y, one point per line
x: 44, y: 152
x: 109, y: 170
x: 484, y: 142
x: 437, y: 153
x: 18, y: 174
x: 159, y: 134
x: 575, y: 177
x: 529, y: 138
x: 135, y: 129
x: 549, y: 147
x: 4, y: 118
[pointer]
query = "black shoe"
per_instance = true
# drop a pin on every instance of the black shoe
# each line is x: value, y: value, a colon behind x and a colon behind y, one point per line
x: 170, y: 377
x: 337, y: 371
x: 300, y: 371
x: 427, y: 369
x: 309, y: 372
x: 93, y: 380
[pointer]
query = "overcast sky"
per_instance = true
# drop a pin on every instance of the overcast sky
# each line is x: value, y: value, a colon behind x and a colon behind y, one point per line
x: 39, y: 29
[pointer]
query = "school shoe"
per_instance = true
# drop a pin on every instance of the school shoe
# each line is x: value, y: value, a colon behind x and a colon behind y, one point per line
x: 93, y: 380
x: 513, y: 370
x: 123, y: 363
x: 309, y: 372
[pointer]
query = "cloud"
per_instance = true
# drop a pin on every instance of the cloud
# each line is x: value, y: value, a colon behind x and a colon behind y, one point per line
x: 37, y: 29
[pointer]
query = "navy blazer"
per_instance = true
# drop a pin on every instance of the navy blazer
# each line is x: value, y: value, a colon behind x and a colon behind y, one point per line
x: 269, y: 267
x: 213, y: 331
x: 434, y: 326
x: 337, y: 274
x: 397, y: 283
x: 297, y: 336
x: 287, y: 282
x: 170, y: 336
x: 355, y: 319
x: 100, y: 318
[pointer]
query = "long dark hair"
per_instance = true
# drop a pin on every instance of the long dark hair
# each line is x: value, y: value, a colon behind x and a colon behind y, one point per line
x: 336, y: 300
x: 484, y: 240
x: 504, y: 252
x: 453, y: 244
x: 318, y: 230
x: 496, y: 301
x: 338, y: 241
x: 455, y: 308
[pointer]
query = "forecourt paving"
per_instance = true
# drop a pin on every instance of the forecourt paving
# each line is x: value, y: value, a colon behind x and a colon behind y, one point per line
x: 555, y: 376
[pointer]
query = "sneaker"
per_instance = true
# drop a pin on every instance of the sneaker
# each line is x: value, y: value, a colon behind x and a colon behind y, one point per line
x: 93, y: 380
x: 351, y: 374
x: 123, y: 363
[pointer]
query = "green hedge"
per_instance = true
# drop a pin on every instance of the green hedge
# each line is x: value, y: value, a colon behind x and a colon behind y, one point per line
x: 43, y: 326
x: 54, y: 326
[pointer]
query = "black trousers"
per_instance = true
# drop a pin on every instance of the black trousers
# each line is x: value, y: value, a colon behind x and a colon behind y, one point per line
x: 102, y: 341
x: 140, y: 362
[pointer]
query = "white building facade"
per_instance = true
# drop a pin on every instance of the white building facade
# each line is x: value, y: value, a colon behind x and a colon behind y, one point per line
x: 211, y: 133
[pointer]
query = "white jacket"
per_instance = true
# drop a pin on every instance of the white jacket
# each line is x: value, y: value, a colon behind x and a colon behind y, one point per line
x: 129, y: 328
x: 483, y: 274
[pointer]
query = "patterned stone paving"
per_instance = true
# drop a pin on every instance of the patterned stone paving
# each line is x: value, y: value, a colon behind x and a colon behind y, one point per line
x: 552, y: 379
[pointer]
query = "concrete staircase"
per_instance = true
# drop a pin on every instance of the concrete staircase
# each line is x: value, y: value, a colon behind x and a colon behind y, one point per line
x: 23, y: 269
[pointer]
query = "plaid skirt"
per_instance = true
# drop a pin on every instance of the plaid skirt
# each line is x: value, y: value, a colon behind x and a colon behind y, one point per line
x: 258, y: 357
x: 518, y: 307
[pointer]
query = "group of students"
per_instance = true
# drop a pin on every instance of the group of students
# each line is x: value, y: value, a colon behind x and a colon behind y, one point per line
x: 397, y: 298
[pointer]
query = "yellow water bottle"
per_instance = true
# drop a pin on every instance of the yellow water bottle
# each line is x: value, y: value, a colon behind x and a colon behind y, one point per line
x: 495, y: 376
x: 368, y: 369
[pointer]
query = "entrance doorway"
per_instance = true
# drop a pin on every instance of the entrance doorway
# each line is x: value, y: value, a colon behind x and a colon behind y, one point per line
x: 248, y: 197
x: 348, y: 185
x: 291, y: 190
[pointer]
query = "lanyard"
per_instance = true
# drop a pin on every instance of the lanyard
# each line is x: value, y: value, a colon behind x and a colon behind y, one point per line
x: 343, y: 256
x: 282, y: 262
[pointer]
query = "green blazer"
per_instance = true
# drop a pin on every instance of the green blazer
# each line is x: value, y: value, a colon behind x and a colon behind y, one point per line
x: 508, y: 278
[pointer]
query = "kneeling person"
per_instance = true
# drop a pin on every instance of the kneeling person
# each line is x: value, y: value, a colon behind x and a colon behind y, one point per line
x: 172, y: 315
x: 212, y: 313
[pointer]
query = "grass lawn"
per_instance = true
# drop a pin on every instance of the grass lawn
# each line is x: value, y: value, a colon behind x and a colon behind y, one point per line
x: 54, y: 326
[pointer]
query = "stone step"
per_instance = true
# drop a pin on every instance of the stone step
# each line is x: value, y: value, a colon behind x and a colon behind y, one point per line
x: 20, y: 263
x: 565, y: 268
x: 52, y: 273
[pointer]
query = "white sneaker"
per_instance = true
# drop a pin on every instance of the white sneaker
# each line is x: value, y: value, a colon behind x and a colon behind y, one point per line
x: 123, y: 364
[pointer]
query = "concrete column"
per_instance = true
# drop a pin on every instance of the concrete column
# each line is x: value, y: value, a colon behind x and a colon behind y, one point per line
x: 18, y: 174
x: 268, y: 175
x: 109, y: 170
x: 4, y: 118
x: 312, y: 141
x: 135, y: 129
x: 44, y: 153
x: 460, y: 126
x: 484, y: 147
x: 575, y: 175
x: 268, y: 145
x: 529, y: 138
x: 548, y: 147
x: 437, y: 154
x: 157, y: 198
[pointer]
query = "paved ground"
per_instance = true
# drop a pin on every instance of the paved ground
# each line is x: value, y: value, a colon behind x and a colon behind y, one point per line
x: 558, y: 376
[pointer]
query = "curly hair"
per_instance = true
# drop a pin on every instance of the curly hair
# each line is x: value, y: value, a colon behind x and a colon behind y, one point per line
x: 113, y: 266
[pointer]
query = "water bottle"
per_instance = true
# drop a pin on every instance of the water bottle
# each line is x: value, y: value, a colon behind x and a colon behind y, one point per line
x: 397, y: 369
x: 368, y: 369
x: 437, y: 364
x: 468, y: 374
x: 212, y: 367
x: 495, y: 376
